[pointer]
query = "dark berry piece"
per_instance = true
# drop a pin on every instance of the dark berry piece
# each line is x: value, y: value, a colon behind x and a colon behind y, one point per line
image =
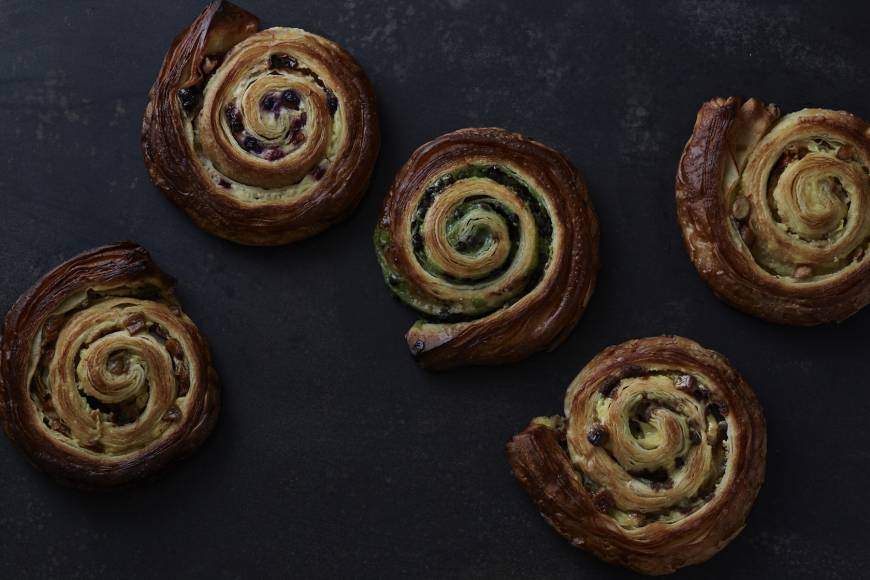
x: 282, y: 61
x: 269, y: 103
x: 291, y: 98
x: 318, y: 173
x: 273, y: 154
x: 597, y: 435
x: 224, y: 183
x: 298, y: 137
x: 189, y: 97
x: 234, y: 118
x: 331, y: 101
x: 418, y: 347
x: 694, y: 437
x: 679, y: 462
x: 299, y: 121
x: 253, y: 145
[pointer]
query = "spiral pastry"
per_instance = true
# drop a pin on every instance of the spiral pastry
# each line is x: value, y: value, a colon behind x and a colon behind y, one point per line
x: 657, y: 461
x: 775, y: 212
x: 492, y: 238
x: 103, y: 379
x: 264, y: 137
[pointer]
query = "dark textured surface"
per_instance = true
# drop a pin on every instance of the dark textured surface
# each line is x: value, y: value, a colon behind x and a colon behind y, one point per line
x: 334, y: 454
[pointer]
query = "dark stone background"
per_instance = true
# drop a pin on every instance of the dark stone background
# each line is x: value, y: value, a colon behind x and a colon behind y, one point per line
x: 335, y: 456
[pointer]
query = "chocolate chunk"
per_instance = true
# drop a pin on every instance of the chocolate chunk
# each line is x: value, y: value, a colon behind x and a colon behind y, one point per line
x: 597, y: 435
x: 741, y: 207
x: 845, y: 152
x: 118, y: 364
x: 282, y: 60
x: 135, y: 323
x: 694, y: 437
x: 224, y: 183
x: 331, y: 101
x: 689, y: 385
x: 189, y: 97
x: 174, y: 347
x: 803, y: 271
x: 608, y: 386
x: 679, y: 462
x: 631, y: 371
x: 686, y: 383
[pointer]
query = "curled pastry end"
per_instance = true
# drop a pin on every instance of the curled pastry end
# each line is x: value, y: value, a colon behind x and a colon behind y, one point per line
x: 657, y: 461
x: 775, y: 211
x: 262, y: 137
x: 103, y: 379
x: 492, y: 238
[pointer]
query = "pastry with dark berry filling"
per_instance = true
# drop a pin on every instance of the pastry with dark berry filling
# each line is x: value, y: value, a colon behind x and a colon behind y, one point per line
x: 262, y: 137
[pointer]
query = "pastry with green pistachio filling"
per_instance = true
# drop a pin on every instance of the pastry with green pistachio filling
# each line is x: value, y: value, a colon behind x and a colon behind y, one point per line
x: 657, y: 460
x: 492, y: 238
x: 775, y: 211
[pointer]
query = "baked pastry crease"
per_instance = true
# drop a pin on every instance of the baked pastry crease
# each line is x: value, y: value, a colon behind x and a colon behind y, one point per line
x: 263, y: 137
x: 775, y: 211
x: 103, y: 379
x: 492, y: 238
x: 657, y: 461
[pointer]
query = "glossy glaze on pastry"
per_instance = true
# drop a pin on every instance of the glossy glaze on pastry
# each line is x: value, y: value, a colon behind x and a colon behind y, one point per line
x: 103, y: 379
x: 657, y: 461
x: 263, y: 137
x: 492, y: 238
x: 775, y: 211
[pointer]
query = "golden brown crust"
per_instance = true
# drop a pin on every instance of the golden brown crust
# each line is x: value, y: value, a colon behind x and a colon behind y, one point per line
x: 492, y: 237
x: 103, y: 379
x: 775, y: 213
x: 263, y: 138
x: 659, y: 458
